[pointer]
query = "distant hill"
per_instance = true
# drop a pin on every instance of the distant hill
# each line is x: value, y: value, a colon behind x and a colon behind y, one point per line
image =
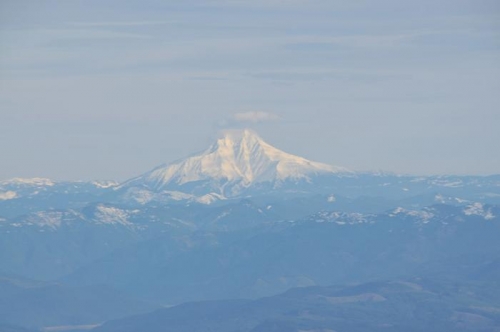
x: 325, y: 248
x: 400, y: 305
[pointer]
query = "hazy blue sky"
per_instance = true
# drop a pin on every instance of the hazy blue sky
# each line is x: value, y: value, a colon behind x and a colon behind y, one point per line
x: 110, y: 89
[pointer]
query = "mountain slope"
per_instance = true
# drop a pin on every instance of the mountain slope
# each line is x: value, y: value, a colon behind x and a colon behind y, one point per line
x: 236, y: 161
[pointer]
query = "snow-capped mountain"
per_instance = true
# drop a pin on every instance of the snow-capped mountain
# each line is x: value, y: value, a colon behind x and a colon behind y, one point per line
x: 24, y: 187
x: 238, y: 160
x: 25, y: 195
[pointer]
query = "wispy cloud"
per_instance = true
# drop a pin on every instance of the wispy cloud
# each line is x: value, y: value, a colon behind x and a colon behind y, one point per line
x: 363, y: 40
x: 269, y: 3
x: 120, y: 24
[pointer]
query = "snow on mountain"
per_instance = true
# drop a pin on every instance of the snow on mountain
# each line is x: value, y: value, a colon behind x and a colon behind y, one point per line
x: 209, y: 198
x: 21, y: 187
x: 423, y: 216
x: 54, y: 219
x: 27, y: 182
x: 236, y: 161
x: 342, y: 218
x: 6, y: 195
x: 144, y: 196
x: 478, y: 209
x: 105, y: 184
x: 112, y: 215
x: 51, y: 219
x: 33, y: 186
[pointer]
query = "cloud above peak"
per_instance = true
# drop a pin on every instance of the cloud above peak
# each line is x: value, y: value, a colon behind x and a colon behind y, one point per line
x: 249, y: 119
x: 254, y: 117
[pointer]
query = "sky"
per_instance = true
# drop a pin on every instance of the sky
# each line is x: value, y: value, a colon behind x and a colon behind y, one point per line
x: 97, y: 89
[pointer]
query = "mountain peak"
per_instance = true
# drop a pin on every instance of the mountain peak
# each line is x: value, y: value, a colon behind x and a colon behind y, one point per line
x: 236, y: 161
x: 234, y: 138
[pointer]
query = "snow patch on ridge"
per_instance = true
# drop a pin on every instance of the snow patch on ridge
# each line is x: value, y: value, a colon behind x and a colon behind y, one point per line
x: 141, y: 196
x: 4, y: 196
x: 479, y: 210
x: 51, y: 219
x: 105, y: 184
x: 112, y: 215
x: 423, y: 216
x: 210, y: 198
x: 341, y: 218
x: 29, y: 182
